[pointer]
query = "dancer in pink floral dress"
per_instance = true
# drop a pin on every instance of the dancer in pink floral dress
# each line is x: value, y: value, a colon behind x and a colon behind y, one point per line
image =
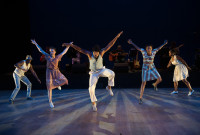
x: 54, y: 78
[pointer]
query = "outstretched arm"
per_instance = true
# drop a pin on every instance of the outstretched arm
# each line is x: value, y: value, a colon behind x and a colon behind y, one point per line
x: 38, y: 47
x: 131, y: 43
x: 160, y: 47
x: 81, y: 50
x: 104, y: 50
x: 34, y: 74
x: 66, y: 49
x: 179, y: 46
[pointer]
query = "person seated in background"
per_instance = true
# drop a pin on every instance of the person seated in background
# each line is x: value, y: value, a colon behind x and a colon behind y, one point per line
x: 119, y: 55
x: 77, y: 58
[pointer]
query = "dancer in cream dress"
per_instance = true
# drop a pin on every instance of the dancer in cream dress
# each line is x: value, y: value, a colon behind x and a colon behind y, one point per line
x: 180, y: 71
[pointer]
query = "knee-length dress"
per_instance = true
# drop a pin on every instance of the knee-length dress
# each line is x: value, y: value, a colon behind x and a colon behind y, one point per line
x: 149, y: 71
x: 180, y: 71
x: 54, y: 78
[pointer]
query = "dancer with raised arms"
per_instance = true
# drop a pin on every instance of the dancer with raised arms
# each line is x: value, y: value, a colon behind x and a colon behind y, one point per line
x: 54, y: 78
x: 97, y: 69
x: 149, y: 71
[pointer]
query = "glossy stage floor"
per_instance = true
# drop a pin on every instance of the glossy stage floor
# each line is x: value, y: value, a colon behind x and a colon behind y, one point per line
x: 160, y: 113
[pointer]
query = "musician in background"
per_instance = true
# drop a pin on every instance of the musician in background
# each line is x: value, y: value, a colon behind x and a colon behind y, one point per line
x: 118, y: 55
x: 77, y: 58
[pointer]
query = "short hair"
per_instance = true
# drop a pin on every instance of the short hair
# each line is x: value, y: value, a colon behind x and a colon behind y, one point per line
x: 149, y: 45
x: 28, y: 57
x: 51, y: 47
x: 96, y: 48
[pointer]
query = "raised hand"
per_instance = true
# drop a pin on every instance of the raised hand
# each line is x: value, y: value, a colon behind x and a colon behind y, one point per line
x: 118, y: 35
x: 33, y: 41
x: 165, y: 42
x: 130, y: 41
x: 67, y: 44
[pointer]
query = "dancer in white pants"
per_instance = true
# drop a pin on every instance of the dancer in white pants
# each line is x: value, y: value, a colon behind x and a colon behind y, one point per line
x: 94, y: 76
x: 97, y: 68
x: 21, y: 68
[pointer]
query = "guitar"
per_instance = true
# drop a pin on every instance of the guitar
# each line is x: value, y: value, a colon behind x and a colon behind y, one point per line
x: 113, y: 56
x: 136, y: 62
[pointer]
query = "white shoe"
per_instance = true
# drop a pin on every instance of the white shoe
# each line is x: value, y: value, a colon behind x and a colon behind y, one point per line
x: 174, y: 92
x: 190, y: 93
x: 51, y: 104
x: 59, y: 88
x: 110, y: 91
x: 94, y: 107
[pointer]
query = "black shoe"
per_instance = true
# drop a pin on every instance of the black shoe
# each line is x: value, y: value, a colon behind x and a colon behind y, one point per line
x: 140, y: 101
x: 11, y: 101
x: 29, y: 98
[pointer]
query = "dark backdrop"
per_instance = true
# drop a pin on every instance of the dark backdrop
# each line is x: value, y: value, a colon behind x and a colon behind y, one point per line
x: 90, y: 22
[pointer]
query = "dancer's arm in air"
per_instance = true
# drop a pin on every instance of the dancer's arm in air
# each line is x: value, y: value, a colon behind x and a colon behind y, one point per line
x: 83, y: 51
x: 67, y: 48
x: 38, y: 47
x: 131, y: 43
x: 160, y: 47
x: 104, y: 50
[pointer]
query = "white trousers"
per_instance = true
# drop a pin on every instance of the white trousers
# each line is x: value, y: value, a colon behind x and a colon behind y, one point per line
x: 94, y: 76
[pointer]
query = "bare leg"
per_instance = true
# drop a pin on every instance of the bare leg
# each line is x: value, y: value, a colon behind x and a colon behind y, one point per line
x: 50, y: 98
x: 109, y: 87
x: 175, y: 86
x: 159, y: 80
x: 142, y: 89
x: 50, y: 95
x: 187, y: 84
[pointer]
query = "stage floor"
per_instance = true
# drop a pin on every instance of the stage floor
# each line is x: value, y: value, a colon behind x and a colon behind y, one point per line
x: 160, y: 113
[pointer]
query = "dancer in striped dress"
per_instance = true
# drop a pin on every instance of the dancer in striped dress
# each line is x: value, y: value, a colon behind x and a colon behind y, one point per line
x: 149, y: 71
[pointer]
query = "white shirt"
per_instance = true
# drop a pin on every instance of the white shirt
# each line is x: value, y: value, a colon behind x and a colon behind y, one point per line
x: 21, y: 72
